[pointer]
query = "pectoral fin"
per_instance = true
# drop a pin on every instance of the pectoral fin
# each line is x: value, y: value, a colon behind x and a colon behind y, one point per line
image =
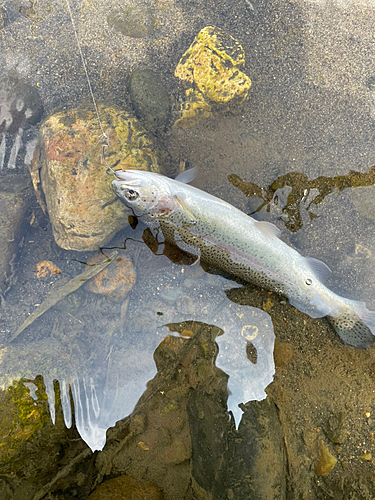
x: 181, y: 200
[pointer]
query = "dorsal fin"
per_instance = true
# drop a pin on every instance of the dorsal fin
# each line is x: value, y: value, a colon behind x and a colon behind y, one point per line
x: 187, y: 176
x: 321, y: 270
x: 267, y: 228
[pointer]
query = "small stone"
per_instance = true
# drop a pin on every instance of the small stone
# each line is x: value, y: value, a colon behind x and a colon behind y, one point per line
x: 143, y: 446
x: 115, y: 281
x: 126, y: 487
x: 326, y: 461
x: 366, y: 456
x: 46, y: 268
x: 336, y: 428
x: 135, y: 22
x: 187, y: 333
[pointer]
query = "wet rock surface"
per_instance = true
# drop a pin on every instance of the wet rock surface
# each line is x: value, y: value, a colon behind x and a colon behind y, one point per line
x: 84, y: 212
x: 260, y: 444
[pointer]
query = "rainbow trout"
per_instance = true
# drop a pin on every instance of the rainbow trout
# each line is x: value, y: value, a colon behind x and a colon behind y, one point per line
x: 228, y: 239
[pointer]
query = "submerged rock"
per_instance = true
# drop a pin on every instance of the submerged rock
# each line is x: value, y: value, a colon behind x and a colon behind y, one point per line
x: 13, y: 207
x: 150, y: 99
x: 20, y: 105
x: 126, y: 487
x: 336, y: 429
x: 20, y: 419
x: 84, y: 212
x: 115, y: 281
x: 211, y: 69
x: 20, y: 109
x: 135, y: 22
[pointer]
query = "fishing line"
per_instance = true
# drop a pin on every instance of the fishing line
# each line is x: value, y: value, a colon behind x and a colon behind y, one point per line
x: 104, y: 135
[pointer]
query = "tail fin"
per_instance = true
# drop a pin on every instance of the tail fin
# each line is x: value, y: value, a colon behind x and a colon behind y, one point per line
x: 354, y: 324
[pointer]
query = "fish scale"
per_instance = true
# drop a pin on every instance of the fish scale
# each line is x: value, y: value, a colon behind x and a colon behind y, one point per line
x: 228, y: 239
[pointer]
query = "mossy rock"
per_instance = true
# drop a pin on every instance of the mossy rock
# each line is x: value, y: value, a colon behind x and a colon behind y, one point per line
x: 84, y: 212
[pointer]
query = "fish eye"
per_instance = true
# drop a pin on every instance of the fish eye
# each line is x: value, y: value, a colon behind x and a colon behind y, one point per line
x: 308, y: 281
x: 131, y: 194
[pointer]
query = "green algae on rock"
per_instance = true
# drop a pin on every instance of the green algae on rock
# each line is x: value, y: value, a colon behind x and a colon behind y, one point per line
x: 20, y: 418
x: 84, y: 212
x: 211, y: 69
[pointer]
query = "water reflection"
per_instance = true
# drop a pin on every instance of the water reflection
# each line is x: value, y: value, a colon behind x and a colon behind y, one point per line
x: 303, y: 193
x: 104, y: 351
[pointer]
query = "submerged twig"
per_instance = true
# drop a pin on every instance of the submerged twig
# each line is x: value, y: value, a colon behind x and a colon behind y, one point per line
x: 65, y: 471
x: 55, y: 295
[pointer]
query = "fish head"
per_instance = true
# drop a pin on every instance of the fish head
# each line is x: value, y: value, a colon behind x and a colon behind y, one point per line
x: 145, y: 193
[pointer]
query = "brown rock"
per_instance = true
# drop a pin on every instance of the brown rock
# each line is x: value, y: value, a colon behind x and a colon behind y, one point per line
x: 115, y: 281
x: 83, y: 210
x: 126, y: 488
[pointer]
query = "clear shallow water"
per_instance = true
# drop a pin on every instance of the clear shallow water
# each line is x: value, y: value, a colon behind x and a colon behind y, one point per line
x: 309, y: 114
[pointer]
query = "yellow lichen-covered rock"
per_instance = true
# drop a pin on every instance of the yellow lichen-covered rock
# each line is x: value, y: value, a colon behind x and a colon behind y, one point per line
x: 83, y: 210
x: 193, y: 109
x: 212, y: 69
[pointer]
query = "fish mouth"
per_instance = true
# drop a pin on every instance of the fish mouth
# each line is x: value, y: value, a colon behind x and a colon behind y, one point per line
x: 126, y: 177
x: 121, y: 174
